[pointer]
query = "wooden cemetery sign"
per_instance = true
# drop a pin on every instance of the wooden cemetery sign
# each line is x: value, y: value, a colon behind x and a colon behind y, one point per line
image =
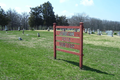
x: 61, y: 40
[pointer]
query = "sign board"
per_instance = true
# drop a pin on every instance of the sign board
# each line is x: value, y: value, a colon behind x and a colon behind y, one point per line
x: 68, y: 40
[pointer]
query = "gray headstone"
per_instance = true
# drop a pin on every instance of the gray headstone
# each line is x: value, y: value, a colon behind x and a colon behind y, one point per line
x: 38, y: 35
x: 89, y: 31
x: 110, y: 33
x: 23, y: 30
x: 98, y: 32
x: 27, y: 34
x: 48, y: 29
x: 6, y: 28
x: 85, y: 30
x: 19, y: 38
x: 18, y: 28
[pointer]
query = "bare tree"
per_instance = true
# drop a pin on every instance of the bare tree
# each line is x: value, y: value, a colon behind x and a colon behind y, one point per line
x: 24, y: 20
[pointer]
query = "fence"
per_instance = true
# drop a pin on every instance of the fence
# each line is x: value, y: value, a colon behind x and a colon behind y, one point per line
x: 71, y: 39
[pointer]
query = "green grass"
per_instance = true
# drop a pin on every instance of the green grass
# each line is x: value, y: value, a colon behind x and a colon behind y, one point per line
x: 32, y: 58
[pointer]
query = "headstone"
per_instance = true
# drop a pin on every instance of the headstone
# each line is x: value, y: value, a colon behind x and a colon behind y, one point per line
x: 38, y: 35
x: 98, y: 32
x: 48, y: 29
x: 23, y: 30
x: 64, y: 29
x: 118, y: 33
x: 19, y: 38
x: 6, y: 28
x: 85, y: 30
x: 18, y: 28
x: 27, y: 34
x: 89, y: 31
x: 78, y: 30
x: 93, y: 31
x: 110, y: 33
x: 106, y: 31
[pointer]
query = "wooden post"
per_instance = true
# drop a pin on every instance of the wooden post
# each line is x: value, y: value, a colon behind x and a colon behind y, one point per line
x: 54, y: 28
x: 81, y: 45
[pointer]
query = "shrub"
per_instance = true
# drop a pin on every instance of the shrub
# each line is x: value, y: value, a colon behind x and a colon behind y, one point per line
x: 115, y: 33
x: 32, y: 29
x: 93, y: 33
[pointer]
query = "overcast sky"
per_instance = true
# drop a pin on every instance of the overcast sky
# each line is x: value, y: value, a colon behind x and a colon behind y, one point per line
x: 102, y: 9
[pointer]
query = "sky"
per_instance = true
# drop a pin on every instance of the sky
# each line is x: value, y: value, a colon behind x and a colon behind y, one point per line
x: 101, y: 9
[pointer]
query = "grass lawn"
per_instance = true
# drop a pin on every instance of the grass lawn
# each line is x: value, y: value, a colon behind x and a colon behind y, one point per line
x: 32, y: 58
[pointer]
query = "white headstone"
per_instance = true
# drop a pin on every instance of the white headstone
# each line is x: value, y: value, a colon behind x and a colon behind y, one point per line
x: 98, y: 32
x: 27, y: 34
x: 118, y: 33
x: 110, y: 33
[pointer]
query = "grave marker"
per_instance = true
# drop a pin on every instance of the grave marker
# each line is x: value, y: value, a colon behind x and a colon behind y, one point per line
x: 23, y: 31
x: 98, y: 32
x: 85, y: 30
x: 48, y: 29
x: 18, y: 28
x: 38, y: 35
x: 89, y: 31
x: 110, y: 33
x: 6, y: 28
x: 118, y: 33
x: 19, y: 38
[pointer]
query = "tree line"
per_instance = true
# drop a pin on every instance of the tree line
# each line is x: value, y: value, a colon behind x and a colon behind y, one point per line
x: 42, y: 17
x: 93, y: 23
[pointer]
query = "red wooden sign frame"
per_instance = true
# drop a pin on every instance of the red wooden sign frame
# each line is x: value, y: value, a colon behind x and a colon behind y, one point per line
x: 69, y: 39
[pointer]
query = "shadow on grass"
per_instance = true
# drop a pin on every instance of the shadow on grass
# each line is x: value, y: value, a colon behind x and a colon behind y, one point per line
x: 86, y: 67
